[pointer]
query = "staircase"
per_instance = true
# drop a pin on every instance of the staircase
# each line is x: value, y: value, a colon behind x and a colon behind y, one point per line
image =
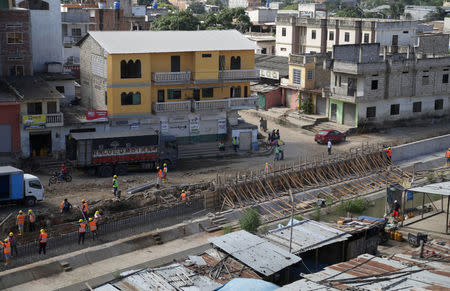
x: 217, y: 223
x: 157, y: 239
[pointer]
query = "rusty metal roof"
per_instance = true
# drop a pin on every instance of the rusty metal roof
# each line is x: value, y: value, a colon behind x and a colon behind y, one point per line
x: 442, y: 188
x: 306, y: 235
x: 257, y: 253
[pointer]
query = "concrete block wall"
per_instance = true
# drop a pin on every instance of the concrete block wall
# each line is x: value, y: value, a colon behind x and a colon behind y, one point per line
x: 419, y: 148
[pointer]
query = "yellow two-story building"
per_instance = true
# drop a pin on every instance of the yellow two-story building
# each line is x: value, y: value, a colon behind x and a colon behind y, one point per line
x: 182, y: 83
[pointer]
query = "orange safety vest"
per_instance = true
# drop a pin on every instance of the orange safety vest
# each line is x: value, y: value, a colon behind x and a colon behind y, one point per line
x: 160, y: 173
x: 62, y: 205
x: 82, y: 227
x: 32, y: 218
x: 183, y: 196
x: 20, y: 219
x: 447, y: 154
x: 389, y: 153
x: 84, y: 207
x: 93, y: 225
x: 6, y: 247
x: 43, y: 237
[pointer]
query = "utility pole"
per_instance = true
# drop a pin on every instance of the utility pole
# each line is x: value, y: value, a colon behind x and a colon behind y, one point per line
x: 292, y: 219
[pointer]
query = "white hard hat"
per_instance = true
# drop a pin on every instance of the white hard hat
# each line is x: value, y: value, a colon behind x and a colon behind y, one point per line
x: 395, y: 201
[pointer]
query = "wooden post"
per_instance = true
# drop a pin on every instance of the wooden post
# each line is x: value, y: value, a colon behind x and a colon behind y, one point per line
x: 423, y: 204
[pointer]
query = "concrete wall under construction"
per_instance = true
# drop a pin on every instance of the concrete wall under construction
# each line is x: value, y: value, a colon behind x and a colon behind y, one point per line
x: 420, y: 148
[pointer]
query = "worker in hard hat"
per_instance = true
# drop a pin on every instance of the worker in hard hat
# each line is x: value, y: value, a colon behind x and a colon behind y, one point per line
x: 20, y: 222
x: 159, y: 176
x: 81, y: 231
x: 447, y: 156
x: 115, y: 185
x: 6, y: 250
x: 43, y: 239
x: 31, y: 220
x: 84, y: 208
x: 165, y: 173
x: 93, y: 228
x: 13, y: 242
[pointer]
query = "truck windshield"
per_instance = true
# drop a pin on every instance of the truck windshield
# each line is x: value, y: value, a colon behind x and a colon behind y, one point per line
x: 35, y: 184
x: 171, y: 145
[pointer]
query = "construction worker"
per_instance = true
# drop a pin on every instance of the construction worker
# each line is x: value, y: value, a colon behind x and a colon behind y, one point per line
x: 183, y: 196
x: 84, y: 208
x: 165, y: 173
x: 81, y: 231
x: 447, y: 155
x: 329, y: 145
x: 31, y: 220
x: 159, y: 177
x: 277, y: 152
x: 65, y: 206
x: 388, y: 152
x: 13, y: 242
x: 93, y: 228
x: 43, y: 238
x: 221, y: 146
x: 98, y: 217
x: 235, y: 143
x: 115, y: 185
x: 267, y: 168
x: 20, y: 222
x: 6, y: 250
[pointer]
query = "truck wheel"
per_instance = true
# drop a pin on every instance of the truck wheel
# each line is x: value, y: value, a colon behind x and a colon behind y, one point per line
x: 121, y: 169
x: 105, y: 171
x: 30, y: 201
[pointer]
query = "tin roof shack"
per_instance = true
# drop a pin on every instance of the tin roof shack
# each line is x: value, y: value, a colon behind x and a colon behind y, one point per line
x: 323, y: 244
x: 266, y: 259
x: 368, y: 272
x: 435, y: 255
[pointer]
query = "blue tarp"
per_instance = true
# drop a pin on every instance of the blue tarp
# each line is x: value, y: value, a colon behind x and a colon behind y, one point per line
x: 248, y: 285
x: 370, y: 218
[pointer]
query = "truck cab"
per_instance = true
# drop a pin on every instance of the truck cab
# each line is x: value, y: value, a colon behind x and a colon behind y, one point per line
x: 15, y: 186
x: 168, y: 150
x: 34, y: 190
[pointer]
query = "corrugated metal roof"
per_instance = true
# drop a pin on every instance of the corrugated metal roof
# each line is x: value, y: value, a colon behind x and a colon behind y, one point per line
x: 255, y: 252
x: 135, y: 42
x: 437, y: 188
x: 305, y: 285
x: 368, y: 272
x: 306, y: 235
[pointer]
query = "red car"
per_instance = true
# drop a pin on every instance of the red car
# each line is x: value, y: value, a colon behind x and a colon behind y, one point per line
x: 326, y: 134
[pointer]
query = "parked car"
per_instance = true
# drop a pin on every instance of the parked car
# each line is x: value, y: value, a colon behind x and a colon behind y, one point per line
x: 324, y: 135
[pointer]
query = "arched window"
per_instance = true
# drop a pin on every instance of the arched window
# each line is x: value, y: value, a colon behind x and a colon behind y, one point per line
x: 137, y: 68
x: 235, y: 63
x: 130, y: 69
x: 123, y: 69
x: 130, y: 98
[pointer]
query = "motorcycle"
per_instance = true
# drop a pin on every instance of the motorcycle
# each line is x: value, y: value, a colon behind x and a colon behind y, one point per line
x: 56, y: 177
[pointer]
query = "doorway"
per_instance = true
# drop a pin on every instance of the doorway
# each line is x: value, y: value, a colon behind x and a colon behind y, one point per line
x: 221, y: 63
x: 333, y: 112
x: 196, y: 94
x: 175, y: 63
x: 40, y: 144
x: 160, y: 95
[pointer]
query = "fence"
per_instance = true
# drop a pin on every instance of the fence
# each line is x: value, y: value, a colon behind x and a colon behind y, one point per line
x: 66, y: 243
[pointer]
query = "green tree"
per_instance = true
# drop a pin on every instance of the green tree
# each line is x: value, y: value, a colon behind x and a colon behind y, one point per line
x: 234, y: 18
x: 351, y: 11
x: 438, y: 14
x: 197, y: 7
x: 250, y: 220
x: 396, y: 9
x: 293, y: 6
x: 177, y: 20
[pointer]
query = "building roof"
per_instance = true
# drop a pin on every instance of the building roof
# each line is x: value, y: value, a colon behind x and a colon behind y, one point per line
x: 33, y: 87
x: 135, y: 42
x: 255, y: 252
x: 110, y: 134
x: 7, y: 94
x: 305, y: 285
x: 306, y: 235
x: 273, y: 63
x: 57, y: 76
x: 436, y: 188
x: 368, y: 272
x: 9, y: 170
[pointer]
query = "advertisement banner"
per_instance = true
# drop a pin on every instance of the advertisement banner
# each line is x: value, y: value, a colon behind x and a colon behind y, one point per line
x: 222, y: 126
x: 194, y: 126
x: 97, y: 115
x: 34, y: 121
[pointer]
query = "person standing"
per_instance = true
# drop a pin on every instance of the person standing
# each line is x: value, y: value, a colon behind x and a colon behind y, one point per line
x: 221, y: 146
x: 330, y: 144
x: 388, y: 152
x: 267, y: 168
x: 165, y: 170
x: 6, y: 250
x: 235, y: 143
x: 93, y: 228
x: 277, y: 134
x: 43, y: 238
x: 81, y: 231
x: 115, y: 185
x: 277, y: 152
x: 13, y: 243
x: 20, y: 222
x: 396, y: 211
x: 159, y: 176
x: 84, y: 208
x: 65, y: 206
x: 31, y: 220
x: 183, y: 196
x: 447, y: 156
x: 98, y: 217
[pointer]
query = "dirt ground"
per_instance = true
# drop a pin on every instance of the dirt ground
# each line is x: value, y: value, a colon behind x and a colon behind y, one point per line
x: 299, y: 143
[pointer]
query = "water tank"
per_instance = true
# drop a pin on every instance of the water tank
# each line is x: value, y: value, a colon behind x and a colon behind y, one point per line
x: 116, y: 5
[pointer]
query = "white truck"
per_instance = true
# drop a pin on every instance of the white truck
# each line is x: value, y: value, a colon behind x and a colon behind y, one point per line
x: 15, y: 186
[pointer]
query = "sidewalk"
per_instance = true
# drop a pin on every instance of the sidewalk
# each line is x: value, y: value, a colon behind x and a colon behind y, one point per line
x: 110, y: 268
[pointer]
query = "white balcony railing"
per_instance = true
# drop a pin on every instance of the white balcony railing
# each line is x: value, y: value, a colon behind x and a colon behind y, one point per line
x: 167, y: 77
x: 43, y: 120
x: 55, y: 119
x: 175, y: 106
x: 71, y: 39
x: 239, y: 74
x: 243, y: 103
x: 206, y: 105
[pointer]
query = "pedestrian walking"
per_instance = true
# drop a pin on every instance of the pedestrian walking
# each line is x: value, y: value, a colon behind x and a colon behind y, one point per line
x: 81, y: 231
x: 235, y: 143
x: 447, y: 156
x: 31, y: 220
x: 43, y: 239
x: 277, y: 152
x: 329, y: 146
x: 6, y: 251
x: 159, y: 176
x: 165, y: 170
x: 65, y: 206
x: 20, y: 222
x: 13, y: 242
x: 84, y: 208
x: 93, y: 228
x: 115, y: 185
